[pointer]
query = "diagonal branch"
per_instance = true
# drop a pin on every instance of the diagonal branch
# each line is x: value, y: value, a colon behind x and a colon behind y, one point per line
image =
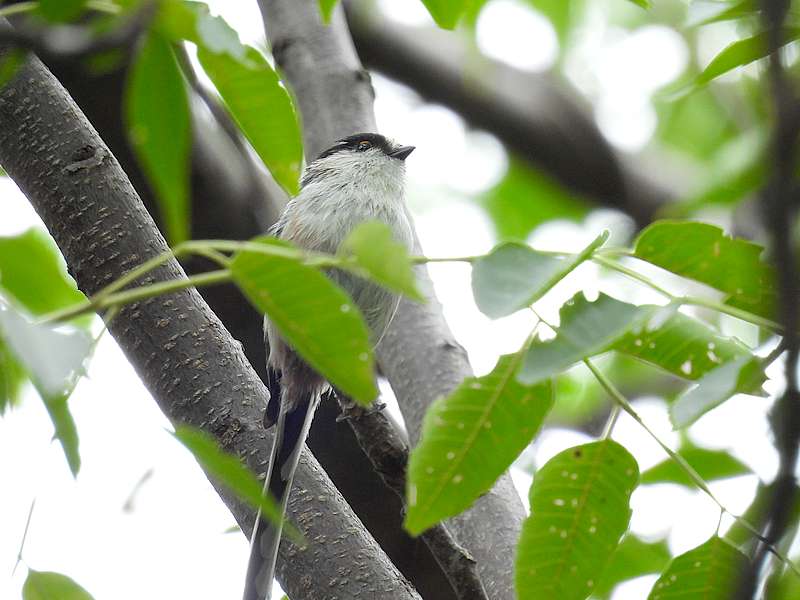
x: 418, y: 355
x: 188, y: 361
x: 533, y: 115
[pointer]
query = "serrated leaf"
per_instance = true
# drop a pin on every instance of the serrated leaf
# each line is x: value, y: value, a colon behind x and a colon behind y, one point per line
x: 158, y: 121
x: 230, y: 471
x: 709, y: 464
x: 446, y: 13
x: 317, y: 318
x: 579, y: 511
x: 745, y: 373
x: 740, y: 53
x: 587, y: 328
x: 706, y: 254
x: 372, y: 247
x: 513, y: 276
x: 633, y: 558
x: 33, y: 273
x: 262, y: 108
x: 326, y: 9
x: 54, y: 359
x: 709, y: 572
x: 46, y: 585
x: 61, y: 10
x: 681, y: 345
x: 469, y: 439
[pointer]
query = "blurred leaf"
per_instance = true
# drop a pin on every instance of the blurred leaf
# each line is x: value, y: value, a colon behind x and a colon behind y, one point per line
x: 642, y: 3
x: 446, y: 13
x: 782, y: 584
x: 262, y: 108
x: 737, y: 11
x: 740, y: 53
x: 45, y: 585
x: 158, y: 120
x: 231, y: 472
x: 633, y: 558
x: 317, y: 318
x: 525, y: 198
x: 739, y: 534
x: 709, y: 572
x: 681, y: 345
x: 12, y: 376
x: 706, y: 254
x: 326, y: 9
x: 513, y: 276
x: 587, y: 328
x: 54, y: 358
x: 10, y: 63
x: 559, y: 12
x: 373, y: 248
x: 695, y: 124
x: 709, y: 464
x: 579, y: 510
x: 469, y: 439
x: 33, y: 272
x: 61, y: 10
x: 742, y: 374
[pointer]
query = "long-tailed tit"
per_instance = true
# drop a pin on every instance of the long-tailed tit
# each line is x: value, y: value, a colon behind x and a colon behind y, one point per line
x: 360, y: 178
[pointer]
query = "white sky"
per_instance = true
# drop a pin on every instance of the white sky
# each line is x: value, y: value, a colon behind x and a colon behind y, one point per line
x: 173, y: 544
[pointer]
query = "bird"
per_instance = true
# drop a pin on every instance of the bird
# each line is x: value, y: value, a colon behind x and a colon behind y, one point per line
x: 359, y: 178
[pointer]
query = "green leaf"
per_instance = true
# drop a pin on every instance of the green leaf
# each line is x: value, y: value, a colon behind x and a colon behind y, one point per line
x: 326, y: 9
x: 740, y: 375
x: 158, y: 121
x: 230, y: 471
x: 587, y: 328
x: 642, y: 3
x: 704, y: 253
x: 744, y: 8
x: 741, y: 53
x: 681, y: 345
x: 579, y: 511
x: 46, y: 585
x: 262, y: 108
x: 12, y: 376
x: 446, y: 13
x: 469, y: 439
x: 54, y: 358
x: 513, y: 276
x: 317, y: 318
x: 560, y: 14
x: 373, y: 248
x: 61, y: 10
x: 709, y: 572
x: 633, y: 558
x: 526, y: 198
x: 10, y: 64
x: 709, y: 464
x: 33, y: 272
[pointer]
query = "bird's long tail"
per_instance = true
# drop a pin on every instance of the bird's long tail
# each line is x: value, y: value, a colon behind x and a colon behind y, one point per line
x: 290, y: 435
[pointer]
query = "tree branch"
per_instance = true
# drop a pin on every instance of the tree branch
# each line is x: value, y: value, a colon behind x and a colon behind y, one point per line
x: 191, y: 365
x: 533, y: 115
x: 779, y: 209
x: 418, y: 355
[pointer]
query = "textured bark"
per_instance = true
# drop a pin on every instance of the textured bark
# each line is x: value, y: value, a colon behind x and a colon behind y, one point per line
x: 419, y: 355
x: 188, y: 361
x: 535, y: 116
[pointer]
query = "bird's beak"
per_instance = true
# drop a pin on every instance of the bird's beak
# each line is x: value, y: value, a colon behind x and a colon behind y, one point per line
x: 402, y: 152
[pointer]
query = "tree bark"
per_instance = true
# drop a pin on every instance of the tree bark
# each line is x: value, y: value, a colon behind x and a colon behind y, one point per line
x: 418, y: 355
x: 188, y: 361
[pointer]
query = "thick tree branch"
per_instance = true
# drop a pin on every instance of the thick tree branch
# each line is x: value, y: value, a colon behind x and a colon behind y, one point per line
x: 779, y: 207
x: 191, y: 365
x: 418, y: 355
x: 533, y: 115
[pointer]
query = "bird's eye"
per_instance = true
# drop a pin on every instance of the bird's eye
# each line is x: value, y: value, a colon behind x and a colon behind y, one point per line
x: 364, y: 145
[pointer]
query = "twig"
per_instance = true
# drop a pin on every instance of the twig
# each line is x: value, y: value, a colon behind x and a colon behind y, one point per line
x: 779, y: 214
x: 388, y: 454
